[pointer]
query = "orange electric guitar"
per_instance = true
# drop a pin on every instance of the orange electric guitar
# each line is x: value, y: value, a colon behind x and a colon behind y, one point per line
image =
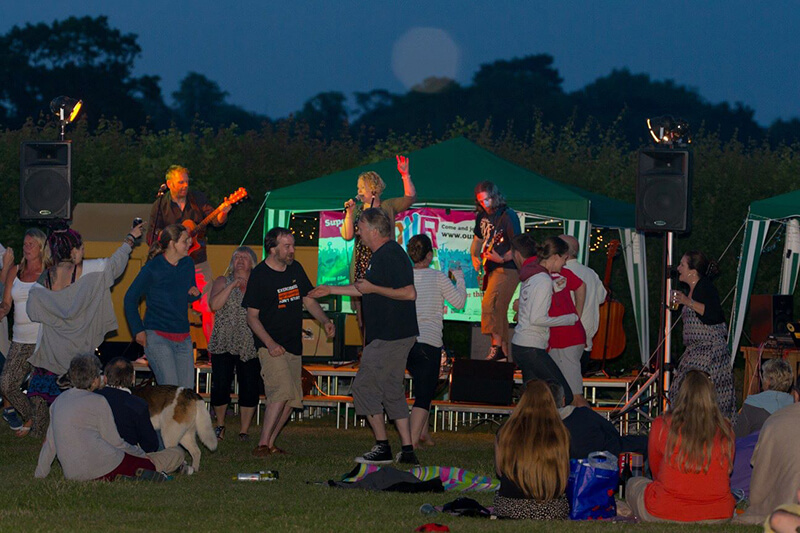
x: 498, y: 238
x: 199, y: 229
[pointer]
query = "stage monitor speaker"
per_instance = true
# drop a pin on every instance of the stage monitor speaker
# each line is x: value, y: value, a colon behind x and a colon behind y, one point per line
x: 45, y: 182
x: 663, y: 191
x: 476, y: 381
x: 769, y: 315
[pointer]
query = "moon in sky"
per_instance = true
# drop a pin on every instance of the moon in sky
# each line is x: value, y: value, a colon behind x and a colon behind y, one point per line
x: 421, y: 53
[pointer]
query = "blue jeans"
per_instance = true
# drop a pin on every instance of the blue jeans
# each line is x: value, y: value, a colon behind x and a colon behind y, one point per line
x: 171, y: 362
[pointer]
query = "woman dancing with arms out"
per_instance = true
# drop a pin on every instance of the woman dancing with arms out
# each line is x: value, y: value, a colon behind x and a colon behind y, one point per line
x: 72, y: 301
x: 19, y: 281
x: 433, y: 288
x: 232, y: 345
x: 167, y: 283
x: 691, y: 456
x: 705, y: 334
x: 531, y: 455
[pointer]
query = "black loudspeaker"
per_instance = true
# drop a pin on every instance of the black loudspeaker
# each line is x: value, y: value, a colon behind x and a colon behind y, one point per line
x: 476, y: 381
x: 769, y: 315
x: 45, y: 180
x: 664, y: 191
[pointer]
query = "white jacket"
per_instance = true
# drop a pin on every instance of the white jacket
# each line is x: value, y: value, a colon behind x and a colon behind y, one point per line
x: 533, y: 323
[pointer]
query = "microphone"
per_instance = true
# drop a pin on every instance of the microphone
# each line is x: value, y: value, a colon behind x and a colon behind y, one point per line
x: 161, y: 190
x: 355, y: 199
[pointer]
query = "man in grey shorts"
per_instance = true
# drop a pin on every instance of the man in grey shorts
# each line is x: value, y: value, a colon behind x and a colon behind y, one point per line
x: 390, y: 318
x: 276, y: 292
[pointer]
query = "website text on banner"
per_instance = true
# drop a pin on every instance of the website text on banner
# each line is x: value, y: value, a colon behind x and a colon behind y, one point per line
x: 450, y: 233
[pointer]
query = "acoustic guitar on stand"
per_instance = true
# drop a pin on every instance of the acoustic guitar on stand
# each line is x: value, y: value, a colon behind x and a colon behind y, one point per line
x: 483, y: 278
x: 609, y: 341
x: 199, y: 229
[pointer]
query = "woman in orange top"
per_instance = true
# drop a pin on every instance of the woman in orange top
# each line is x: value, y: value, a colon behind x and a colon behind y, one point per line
x: 691, y: 456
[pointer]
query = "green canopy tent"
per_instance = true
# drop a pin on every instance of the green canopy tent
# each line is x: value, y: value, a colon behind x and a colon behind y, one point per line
x: 445, y: 174
x: 783, y: 209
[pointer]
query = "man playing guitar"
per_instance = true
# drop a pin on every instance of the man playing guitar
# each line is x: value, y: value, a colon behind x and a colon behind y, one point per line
x: 495, y: 226
x: 176, y: 207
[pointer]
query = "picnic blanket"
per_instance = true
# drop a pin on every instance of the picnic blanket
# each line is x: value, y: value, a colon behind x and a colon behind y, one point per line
x: 453, y: 478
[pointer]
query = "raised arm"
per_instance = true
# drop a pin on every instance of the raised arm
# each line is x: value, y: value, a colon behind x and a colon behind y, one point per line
x: 409, y: 191
x: 455, y: 295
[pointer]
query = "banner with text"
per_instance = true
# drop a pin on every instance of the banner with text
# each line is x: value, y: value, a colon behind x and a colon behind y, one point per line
x: 451, y: 234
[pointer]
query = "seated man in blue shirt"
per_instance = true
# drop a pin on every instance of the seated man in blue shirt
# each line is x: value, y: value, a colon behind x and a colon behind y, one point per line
x: 131, y: 414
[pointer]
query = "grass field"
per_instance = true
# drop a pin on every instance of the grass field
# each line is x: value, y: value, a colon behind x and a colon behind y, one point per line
x: 211, y: 501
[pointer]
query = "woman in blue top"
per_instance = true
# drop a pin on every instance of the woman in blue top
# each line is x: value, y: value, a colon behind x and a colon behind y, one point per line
x: 168, y: 285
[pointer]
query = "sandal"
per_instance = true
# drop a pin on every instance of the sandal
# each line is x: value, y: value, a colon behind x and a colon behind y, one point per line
x: 23, y: 431
x: 219, y: 431
x: 277, y: 451
x: 244, y: 437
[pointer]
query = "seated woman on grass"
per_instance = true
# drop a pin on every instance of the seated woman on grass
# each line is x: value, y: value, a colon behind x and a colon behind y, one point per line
x: 691, y: 456
x: 531, y: 457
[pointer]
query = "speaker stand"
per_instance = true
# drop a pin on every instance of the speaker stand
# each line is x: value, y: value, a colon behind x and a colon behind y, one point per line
x: 664, y: 362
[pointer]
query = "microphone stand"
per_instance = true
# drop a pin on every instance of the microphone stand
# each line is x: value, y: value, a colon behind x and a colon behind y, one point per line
x: 159, y: 195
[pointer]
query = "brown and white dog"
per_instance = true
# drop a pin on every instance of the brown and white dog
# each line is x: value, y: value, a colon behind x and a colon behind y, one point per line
x: 179, y: 413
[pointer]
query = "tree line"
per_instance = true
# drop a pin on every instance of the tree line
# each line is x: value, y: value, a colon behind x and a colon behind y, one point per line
x: 87, y: 58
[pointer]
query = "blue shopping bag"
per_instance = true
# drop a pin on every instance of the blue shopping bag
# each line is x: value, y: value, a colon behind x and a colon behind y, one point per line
x: 591, y: 486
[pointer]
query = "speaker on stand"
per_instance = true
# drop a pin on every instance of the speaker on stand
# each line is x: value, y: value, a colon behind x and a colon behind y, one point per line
x: 664, y: 205
x: 45, y: 182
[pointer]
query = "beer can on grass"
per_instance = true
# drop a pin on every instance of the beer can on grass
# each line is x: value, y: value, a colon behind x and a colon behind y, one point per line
x: 263, y: 475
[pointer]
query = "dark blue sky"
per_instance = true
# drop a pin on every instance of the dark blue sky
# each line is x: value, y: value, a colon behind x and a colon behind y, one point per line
x: 273, y: 56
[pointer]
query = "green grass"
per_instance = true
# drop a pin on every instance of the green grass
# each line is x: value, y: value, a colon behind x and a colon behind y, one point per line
x: 211, y: 501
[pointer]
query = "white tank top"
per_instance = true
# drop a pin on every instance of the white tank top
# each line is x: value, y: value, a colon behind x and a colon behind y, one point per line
x: 24, y: 330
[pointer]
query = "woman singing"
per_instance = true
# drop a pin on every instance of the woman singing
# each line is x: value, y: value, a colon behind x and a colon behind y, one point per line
x: 433, y: 288
x: 370, y: 188
x: 531, y: 456
x: 705, y: 334
x: 19, y: 281
x: 232, y: 345
x: 167, y: 283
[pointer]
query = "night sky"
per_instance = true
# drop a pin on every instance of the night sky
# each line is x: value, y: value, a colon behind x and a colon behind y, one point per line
x: 273, y: 56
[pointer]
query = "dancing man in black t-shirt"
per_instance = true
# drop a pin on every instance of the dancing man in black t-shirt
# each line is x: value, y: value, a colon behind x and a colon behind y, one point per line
x: 390, y: 320
x: 277, y: 290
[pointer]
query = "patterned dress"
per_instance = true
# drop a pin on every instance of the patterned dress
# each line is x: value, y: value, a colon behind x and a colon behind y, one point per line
x: 707, y: 351
x: 231, y: 332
